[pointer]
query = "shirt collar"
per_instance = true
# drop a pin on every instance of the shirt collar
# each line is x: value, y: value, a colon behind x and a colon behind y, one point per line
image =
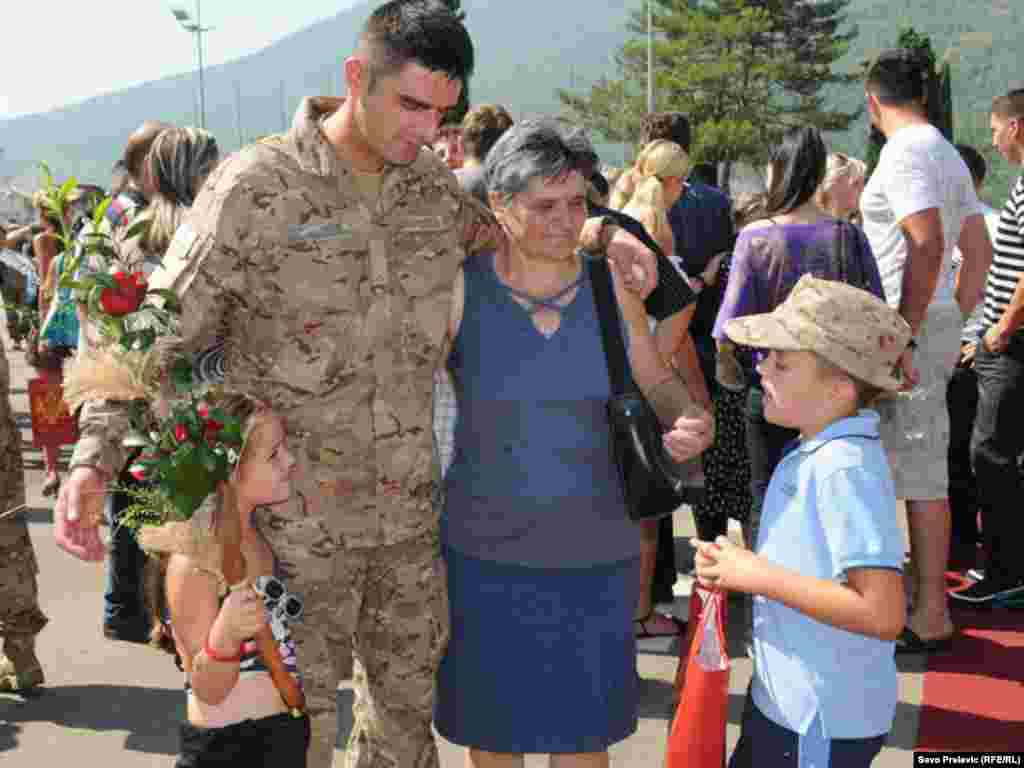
x: 864, y: 424
x: 313, y: 151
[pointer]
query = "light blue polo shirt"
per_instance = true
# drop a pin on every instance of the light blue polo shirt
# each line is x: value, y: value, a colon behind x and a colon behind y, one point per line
x: 830, y: 507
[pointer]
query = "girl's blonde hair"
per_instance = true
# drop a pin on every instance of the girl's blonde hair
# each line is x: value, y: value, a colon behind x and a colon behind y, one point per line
x: 838, y: 166
x: 643, y: 189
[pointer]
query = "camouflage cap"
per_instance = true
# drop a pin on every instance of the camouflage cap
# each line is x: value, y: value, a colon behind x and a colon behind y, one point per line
x: 847, y: 326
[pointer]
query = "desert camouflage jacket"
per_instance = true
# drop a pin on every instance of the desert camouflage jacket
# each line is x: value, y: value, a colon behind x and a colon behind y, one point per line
x: 331, y: 311
x: 12, y: 476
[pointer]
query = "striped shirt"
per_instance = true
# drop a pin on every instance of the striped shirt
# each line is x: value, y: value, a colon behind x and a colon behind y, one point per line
x: 1007, y: 256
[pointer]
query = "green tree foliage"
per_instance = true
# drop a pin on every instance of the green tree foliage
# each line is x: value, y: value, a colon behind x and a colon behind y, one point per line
x: 456, y: 114
x: 729, y: 65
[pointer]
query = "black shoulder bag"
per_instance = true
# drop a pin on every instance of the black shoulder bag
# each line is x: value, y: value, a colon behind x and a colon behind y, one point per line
x: 653, y: 484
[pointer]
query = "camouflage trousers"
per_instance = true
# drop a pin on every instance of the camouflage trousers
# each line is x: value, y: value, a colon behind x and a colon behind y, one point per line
x: 20, y: 617
x: 381, y: 615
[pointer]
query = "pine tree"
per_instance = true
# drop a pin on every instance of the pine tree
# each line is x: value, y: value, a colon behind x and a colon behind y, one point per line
x: 723, y: 63
x: 816, y: 34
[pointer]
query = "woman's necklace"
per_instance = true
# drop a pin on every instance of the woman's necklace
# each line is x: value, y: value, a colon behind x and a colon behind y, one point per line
x: 554, y: 302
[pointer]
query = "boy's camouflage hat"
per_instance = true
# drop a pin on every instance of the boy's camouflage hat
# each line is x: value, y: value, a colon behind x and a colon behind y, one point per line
x: 847, y: 326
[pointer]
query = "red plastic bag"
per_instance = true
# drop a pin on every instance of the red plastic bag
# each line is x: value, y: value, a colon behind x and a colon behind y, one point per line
x: 52, y: 422
x: 697, y: 738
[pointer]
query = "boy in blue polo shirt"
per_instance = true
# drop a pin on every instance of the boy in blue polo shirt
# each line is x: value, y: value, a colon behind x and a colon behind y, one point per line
x: 825, y: 572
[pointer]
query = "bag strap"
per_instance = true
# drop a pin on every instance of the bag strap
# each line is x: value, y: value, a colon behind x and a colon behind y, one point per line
x: 619, y: 375
x: 839, y: 253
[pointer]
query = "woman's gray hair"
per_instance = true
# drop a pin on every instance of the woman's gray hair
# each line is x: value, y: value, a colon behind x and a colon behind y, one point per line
x: 544, y: 147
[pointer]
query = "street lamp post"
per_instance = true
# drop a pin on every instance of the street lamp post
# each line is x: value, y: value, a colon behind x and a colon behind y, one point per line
x: 196, y: 28
x: 650, y: 58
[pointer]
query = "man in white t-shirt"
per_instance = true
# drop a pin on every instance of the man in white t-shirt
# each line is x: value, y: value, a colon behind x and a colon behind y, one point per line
x: 919, y: 203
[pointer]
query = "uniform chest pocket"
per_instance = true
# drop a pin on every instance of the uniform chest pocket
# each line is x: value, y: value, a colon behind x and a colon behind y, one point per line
x: 329, y: 270
x: 424, y: 254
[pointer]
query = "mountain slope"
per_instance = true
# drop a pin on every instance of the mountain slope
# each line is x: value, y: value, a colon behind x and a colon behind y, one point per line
x: 525, y: 50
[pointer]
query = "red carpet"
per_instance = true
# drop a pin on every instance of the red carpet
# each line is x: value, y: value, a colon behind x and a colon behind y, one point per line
x: 973, y: 697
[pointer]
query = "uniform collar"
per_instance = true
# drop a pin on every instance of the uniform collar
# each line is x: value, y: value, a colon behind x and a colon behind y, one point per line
x: 316, y: 154
x: 864, y: 424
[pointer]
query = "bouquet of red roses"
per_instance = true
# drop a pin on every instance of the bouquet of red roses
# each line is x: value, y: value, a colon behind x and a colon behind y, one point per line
x: 182, y: 458
x: 121, y: 305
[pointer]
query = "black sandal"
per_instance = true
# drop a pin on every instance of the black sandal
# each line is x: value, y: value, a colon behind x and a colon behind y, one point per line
x: 911, y: 642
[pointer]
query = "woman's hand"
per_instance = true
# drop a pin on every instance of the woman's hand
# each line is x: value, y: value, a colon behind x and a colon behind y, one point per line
x: 723, y: 565
x: 691, y: 435
x: 634, y: 263
x: 241, y: 616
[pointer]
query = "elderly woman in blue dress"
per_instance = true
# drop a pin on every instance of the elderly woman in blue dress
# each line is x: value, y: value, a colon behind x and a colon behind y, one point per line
x: 542, y: 654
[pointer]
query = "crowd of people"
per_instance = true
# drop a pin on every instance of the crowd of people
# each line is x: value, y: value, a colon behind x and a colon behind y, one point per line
x: 404, y: 384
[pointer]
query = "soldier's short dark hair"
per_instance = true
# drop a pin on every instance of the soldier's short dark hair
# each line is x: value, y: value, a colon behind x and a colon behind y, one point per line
x: 426, y: 32
x: 670, y: 126
x: 975, y: 162
x: 898, y: 77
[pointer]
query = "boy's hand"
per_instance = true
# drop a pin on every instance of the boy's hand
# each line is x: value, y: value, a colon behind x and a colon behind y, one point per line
x: 723, y: 565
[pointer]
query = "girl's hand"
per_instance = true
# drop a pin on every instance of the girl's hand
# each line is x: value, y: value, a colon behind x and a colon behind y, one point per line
x: 241, y: 616
x: 723, y: 565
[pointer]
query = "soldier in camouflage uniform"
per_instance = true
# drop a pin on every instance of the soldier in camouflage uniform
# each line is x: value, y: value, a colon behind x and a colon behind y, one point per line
x: 323, y: 260
x: 20, y: 617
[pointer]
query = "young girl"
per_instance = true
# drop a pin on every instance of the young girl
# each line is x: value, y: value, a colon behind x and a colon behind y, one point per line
x: 235, y: 715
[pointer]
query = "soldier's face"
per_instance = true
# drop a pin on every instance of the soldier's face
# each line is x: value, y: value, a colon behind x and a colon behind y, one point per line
x: 402, y: 112
x: 544, y: 221
x: 265, y: 476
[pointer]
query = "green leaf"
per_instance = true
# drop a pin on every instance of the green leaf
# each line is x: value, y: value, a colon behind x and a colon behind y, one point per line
x: 104, y: 280
x: 47, y: 175
x: 207, y: 458
x: 94, y: 300
x: 67, y: 188
x: 181, y: 375
x: 138, y: 227
x: 100, y: 212
x: 170, y: 298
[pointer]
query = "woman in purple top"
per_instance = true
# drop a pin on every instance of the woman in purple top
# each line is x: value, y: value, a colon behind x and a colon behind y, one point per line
x: 793, y: 239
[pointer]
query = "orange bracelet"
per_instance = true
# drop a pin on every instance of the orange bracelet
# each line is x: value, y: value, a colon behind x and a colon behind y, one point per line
x: 212, y: 654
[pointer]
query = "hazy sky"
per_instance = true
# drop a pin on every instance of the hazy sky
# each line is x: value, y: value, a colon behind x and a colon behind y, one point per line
x: 47, y: 44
